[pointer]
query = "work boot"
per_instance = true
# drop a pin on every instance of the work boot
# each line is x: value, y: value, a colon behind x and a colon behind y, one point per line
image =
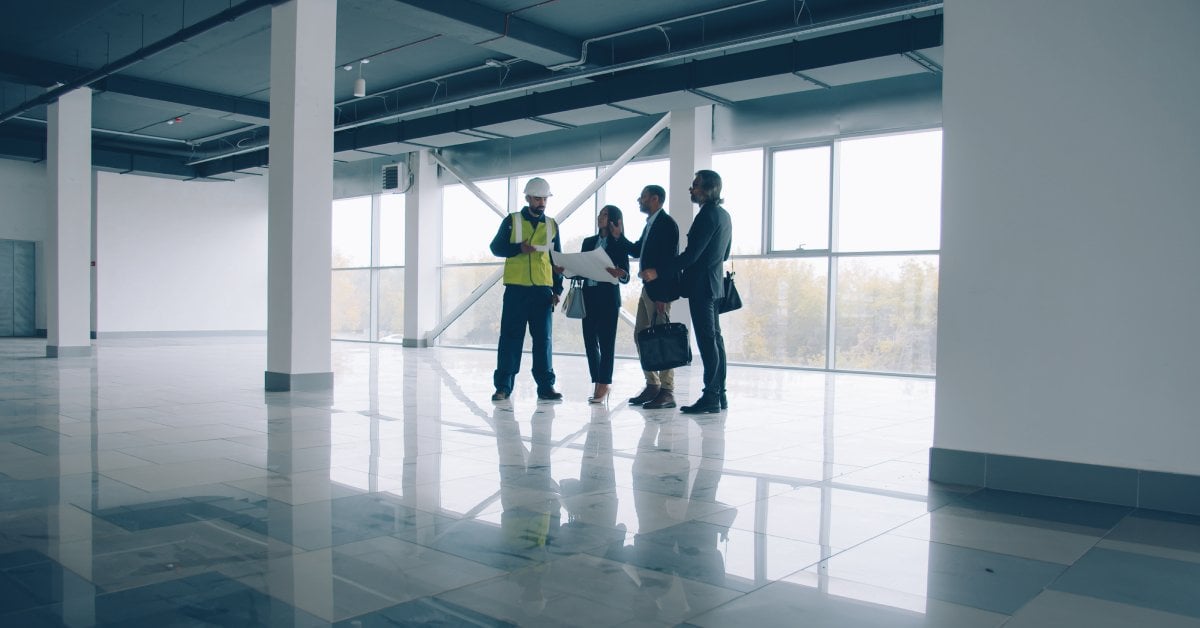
x: 664, y: 399
x: 648, y: 394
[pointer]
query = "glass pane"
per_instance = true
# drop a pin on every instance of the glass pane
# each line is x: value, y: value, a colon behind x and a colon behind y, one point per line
x: 565, y: 186
x: 890, y: 193
x: 352, y: 232
x: 391, y: 305
x: 742, y: 185
x: 783, y: 320
x: 800, y: 199
x: 468, y: 224
x: 391, y: 230
x: 351, y: 304
x: 479, y: 325
x: 887, y: 313
x: 624, y: 189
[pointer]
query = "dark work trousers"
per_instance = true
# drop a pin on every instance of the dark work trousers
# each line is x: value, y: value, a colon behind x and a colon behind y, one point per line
x: 524, y: 306
x: 600, y: 329
x: 706, y: 324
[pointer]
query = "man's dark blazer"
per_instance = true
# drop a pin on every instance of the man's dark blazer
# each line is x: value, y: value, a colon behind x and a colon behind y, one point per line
x: 709, y: 242
x: 617, y: 252
x: 661, y: 247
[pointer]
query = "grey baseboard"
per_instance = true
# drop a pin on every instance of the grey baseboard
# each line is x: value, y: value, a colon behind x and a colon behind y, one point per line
x: 1138, y: 488
x: 180, y: 333
x: 53, y: 351
x: 283, y: 382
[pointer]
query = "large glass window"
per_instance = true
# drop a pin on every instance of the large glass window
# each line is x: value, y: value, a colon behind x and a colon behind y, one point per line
x: 886, y: 210
x: 352, y: 232
x: 479, y: 326
x: 351, y: 296
x: 391, y: 230
x: 742, y: 186
x: 391, y: 304
x: 890, y: 193
x: 887, y: 313
x: 785, y: 321
x: 800, y: 199
x: 355, y: 276
x: 468, y: 224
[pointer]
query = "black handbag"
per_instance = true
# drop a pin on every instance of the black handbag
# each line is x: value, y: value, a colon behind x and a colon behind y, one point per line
x: 664, y: 346
x: 732, y: 300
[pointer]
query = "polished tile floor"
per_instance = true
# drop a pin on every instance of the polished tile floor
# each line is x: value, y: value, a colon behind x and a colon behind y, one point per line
x: 156, y: 484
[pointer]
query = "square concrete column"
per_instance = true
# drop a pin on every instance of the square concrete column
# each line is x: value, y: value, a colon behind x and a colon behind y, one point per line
x: 691, y: 150
x: 69, y: 251
x: 300, y: 195
x: 422, y: 250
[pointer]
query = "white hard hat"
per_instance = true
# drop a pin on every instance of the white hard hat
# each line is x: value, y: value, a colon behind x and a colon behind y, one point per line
x: 537, y: 186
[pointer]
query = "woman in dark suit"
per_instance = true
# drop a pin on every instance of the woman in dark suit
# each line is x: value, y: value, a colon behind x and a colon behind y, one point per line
x: 603, y: 301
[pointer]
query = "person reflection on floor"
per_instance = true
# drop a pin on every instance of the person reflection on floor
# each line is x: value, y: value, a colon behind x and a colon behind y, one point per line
x: 591, y: 501
x: 679, y: 529
x: 530, y: 499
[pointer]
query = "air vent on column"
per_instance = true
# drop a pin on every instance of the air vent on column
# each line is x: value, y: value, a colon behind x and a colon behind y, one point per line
x: 391, y: 177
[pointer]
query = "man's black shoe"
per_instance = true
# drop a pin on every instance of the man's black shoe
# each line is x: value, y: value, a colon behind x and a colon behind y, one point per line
x: 549, y: 394
x: 648, y: 394
x: 703, y: 405
x: 499, y: 395
x: 724, y: 400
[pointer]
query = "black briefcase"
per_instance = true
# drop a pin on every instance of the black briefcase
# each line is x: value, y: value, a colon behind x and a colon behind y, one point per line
x: 664, y: 346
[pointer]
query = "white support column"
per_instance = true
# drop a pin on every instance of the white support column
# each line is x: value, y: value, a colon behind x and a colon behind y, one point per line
x: 69, y: 251
x: 300, y: 196
x: 691, y: 150
x: 422, y: 250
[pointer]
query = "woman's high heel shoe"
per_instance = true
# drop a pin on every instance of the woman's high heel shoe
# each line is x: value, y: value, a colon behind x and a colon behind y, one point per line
x: 600, y: 397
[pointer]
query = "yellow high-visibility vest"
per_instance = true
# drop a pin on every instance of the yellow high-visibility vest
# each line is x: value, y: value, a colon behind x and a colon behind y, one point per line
x: 531, y: 269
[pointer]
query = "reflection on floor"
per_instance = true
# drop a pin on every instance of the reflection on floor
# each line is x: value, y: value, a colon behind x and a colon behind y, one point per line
x: 156, y: 484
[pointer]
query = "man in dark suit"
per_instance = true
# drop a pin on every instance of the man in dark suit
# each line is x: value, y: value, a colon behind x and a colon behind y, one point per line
x: 658, y: 245
x: 708, y: 247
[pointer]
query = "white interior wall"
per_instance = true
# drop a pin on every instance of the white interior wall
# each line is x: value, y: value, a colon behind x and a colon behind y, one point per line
x: 25, y: 215
x: 181, y: 255
x: 1069, y: 265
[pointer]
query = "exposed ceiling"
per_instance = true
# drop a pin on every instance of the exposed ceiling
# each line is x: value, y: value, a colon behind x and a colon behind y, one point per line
x: 440, y: 72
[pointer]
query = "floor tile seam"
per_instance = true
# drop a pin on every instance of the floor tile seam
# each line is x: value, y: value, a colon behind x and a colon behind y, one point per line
x: 1044, y: 588
x: 1032, y: 522
x: 1049, y: 586
x: 1138, y: 549
x: 988, y: 550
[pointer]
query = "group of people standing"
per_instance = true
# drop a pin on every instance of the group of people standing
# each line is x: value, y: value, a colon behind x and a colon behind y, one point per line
x: 533, y: 286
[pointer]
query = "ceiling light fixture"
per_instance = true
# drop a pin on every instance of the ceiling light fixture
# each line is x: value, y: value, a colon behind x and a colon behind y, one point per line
x: 360, y: 83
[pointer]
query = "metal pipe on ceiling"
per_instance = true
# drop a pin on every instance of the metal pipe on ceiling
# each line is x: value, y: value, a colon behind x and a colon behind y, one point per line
x: 142, y: 54
x: 140, y: 136
x: 787, y: 33
x: 584, y: 46
x: 796, y: 32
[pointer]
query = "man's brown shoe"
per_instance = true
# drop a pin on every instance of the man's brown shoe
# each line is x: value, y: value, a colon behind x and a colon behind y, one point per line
x: 648, y: 394
x: 665, y: 399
